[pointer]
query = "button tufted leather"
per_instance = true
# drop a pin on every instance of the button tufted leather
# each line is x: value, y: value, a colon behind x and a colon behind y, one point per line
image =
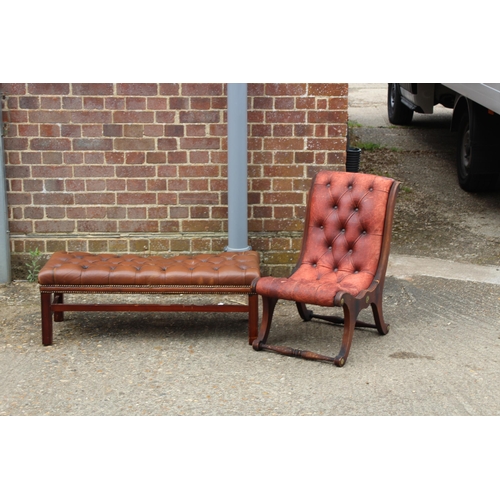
x: 342, y: 239
x: 81, y: 268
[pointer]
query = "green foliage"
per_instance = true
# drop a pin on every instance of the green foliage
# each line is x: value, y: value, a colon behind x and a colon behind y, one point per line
x: 34, y: 265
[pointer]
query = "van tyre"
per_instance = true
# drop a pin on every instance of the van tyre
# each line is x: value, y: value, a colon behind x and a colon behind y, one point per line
x: 398, y: 113
x: 478, y: 165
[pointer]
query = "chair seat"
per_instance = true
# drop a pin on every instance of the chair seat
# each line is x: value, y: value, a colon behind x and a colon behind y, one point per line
x: 319, y: 291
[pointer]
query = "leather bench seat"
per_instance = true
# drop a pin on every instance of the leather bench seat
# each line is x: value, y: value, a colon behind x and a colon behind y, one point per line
x: 81, y: 268
x: 88, y: 273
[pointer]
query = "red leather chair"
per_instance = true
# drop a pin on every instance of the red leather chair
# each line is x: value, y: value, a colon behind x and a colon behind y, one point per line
x: 345, y: 250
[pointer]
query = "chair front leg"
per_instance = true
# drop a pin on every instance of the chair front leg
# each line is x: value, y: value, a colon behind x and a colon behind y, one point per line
x: 268, y: 305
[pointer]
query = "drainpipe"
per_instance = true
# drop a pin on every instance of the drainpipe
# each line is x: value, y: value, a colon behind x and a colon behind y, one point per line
x: 5, y: 271
x: 237, y: 167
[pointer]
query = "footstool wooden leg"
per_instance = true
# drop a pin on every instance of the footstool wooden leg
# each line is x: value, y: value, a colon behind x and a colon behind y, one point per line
x: 58, y: 299
x: 46, y: 318
x: 253, y: 317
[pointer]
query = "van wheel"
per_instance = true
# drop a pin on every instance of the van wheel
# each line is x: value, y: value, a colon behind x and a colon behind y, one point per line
x: 398, y: 113
x: 472, y: 158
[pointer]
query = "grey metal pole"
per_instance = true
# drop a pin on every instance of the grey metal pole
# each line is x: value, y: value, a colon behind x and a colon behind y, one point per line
x: 237, y: 167
x: 5, y: 269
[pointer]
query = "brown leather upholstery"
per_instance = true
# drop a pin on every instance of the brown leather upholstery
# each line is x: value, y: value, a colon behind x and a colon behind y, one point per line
x: 345, y: 250
x: 342, y: 239
x: 81, y: 268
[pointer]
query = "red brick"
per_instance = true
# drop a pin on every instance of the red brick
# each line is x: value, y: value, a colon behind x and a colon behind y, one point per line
x: 133, y: 117
x: 178, y: 103
x: 326, y: 144
x: 94, y: 199
x: 48, y: 88
x: 90, y: 116
x: 169, y: 88
x: 328, y: 89
x: 62, y: 171
x: 92, y: 88
x: 92, y: 144
x: 167, y: 144
x: 135, y: 103
x: 130, y: 198
x: 130, y: 171
x: 156, y: 103
x: 33, y: 213
x: 138, y: 226
x: 114, y: 103
x: 53, y: 199
x: 153, y: 130
x: 130, y: 130
x: 50, y: 144
x: 305, y: 103
x: 71, y: 130
x: 202, y: 89
x: 115, y: 184
x: 200, y: 143
x: 304, y: 157
x: 94, y: 171
x: 13, y: 88
x: 263, y: 102
x: 195, y: 130
x: 97, y: 226
x: 19, y: 144
x: 280, y: 143
x: 167, y: 198
x: 143, y: 144
x: 112, y: 130
x: 284, y: 102
x: 285, y: 116
x: 29, y: 102
x: 135, y: 157
x: 165, y: 116
x: 200, y: 103
x: 199, y: 116
x: 94, y: 130
x: 72, y: 103
x: 116, y: 212
x: 199, y: 156
x: 136, y: 213
x: 174, y: 130
x: 50, y: 130
x: 93, y: 103
x: 286, y: 89
x: 179, y: 212
x: 50, y: 116
x: 50, y: 103
x: 134, y: 89
x: 52, y: 158
x: 157, y: 185
x: 95, y: 184
x: 17, y: 116
x: 177, y: 157
x: 156, y: 157
x: 20, y: 226
x: 282, y: 130
x: 327, y: 116
x: 198, y: 198
x: 35, y: 185
x: 114, y: 157
x: 28, y: 130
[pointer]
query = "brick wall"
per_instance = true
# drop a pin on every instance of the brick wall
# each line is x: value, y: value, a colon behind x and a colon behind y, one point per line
x: 142, y: 168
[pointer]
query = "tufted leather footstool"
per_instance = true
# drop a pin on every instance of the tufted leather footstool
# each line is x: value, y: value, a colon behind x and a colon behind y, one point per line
x: 81, y: 272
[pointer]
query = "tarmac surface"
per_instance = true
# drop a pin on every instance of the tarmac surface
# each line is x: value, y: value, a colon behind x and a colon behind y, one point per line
x: 441, y: 356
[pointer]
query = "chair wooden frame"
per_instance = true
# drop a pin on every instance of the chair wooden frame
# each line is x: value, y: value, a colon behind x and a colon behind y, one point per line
x: 351, y: 305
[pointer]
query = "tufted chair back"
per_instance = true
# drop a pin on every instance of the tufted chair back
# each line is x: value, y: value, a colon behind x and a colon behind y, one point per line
x: 342, y: 239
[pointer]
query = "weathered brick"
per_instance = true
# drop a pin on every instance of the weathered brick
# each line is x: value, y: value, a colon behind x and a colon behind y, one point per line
x: 136, y: 89
x: 48, y: 88
x: 202, y: 89
x: 200, y: 143
x: 92, y: 144
x: 169, y: 88
x: 288, y: 89
x: 142, y: 144
x: 29, y: 102
x: 50, y: 144
x: 92, y: 88
x: 93, y: 103
x: 199, y: 116
x: 133, y: 117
